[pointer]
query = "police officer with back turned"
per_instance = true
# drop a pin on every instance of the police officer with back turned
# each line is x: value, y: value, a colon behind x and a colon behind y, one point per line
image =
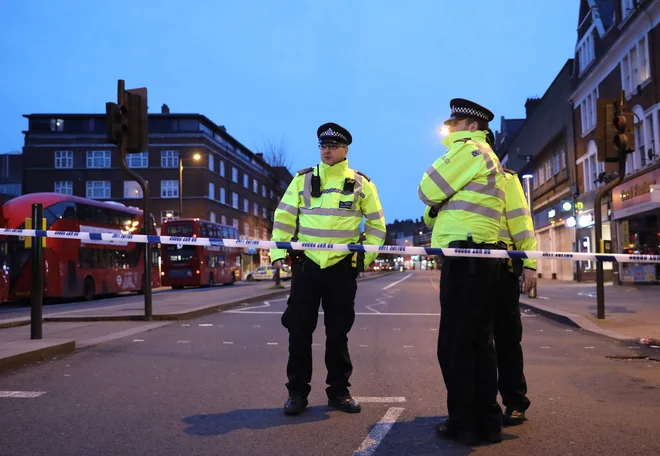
x: 517, y: 231
x: 325, y: 204
x: 464, y: 190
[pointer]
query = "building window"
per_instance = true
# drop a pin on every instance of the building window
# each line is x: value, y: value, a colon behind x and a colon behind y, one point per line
x: 591, y: 167
x: 562, y: 157
x: 263, y: 190
x: 169, y: 189
x: 64, y: 187
x: 212, y: 217
x: 548, y: 169
x: 246, y: 230
x: 635, y: 67
x: 223, y: 198
x: 255, y: 186
x: 168, y: 214
x: 555, y: 159
x: 56, y: 125
x: 63, y: 159
x: 98, y: 159
x: 246, y: 205
x: 256, y: 232
x: 246, y: 180
x: 234, y: 200
x: 222, y: 168
x: 98, y: 189
x: 272, y: 195
x: 234, y: 223
x: 255, y: 209
x: 211, y: 190
x: 132, y: 189
x: 211, y: 162
x: 234, y: 174
x: 627, y: 8
x: 138, y: 160
x: 586, y: 49
x: 588, y: 112
x: 223, y: 220
x: 263, y: 213
x: 169, y: 159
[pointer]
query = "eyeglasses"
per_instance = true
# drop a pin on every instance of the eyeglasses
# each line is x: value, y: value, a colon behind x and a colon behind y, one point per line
x: 331, y: 146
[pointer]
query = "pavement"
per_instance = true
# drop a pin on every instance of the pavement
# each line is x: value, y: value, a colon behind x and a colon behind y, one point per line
x: 72, y: 326
x: 215, y: 385
x: 631, y: 312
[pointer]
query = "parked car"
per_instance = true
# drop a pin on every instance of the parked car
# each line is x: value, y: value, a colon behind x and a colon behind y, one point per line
x: 268, y: 273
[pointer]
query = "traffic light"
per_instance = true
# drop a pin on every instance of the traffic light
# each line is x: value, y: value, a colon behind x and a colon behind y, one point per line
x: 605, y: 130
x: 624, y: 139
x: 138, y: 120
x: 128, y: 123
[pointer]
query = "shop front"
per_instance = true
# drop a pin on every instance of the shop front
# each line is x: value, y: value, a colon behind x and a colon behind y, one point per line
x: 585, y: 236
x: 554, y: 235
x: 636, y: 210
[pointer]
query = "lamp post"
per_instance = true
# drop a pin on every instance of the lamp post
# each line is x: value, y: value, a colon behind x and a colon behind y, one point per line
x: 195, y: 157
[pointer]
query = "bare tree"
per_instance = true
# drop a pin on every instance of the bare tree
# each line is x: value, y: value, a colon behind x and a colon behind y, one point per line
x: 275, y: 153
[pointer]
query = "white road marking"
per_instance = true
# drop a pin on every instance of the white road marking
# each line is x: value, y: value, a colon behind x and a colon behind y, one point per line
x: 378, y: 433
x: 589, y: 347
x: 539, y: 330
x: 363, y: 346
x: 227, y: 343
x: 433, y: 329
x: 185, y: 324
x: 21, y: 394
x: 205, y: 324
x: 545, y: 347
x: 256, y: 326
x: 525, y: 315
x: 379, y: 303
x: 271, y: 343
x: 568, y: 330
x: 398, y: 281
x: 408, y: 346
x: 363, y: 329
x: 396, y: 329
x: 437, y: 288
x: 248, y: 309
x: 315, y: 345
x: 381, y: 400
x: 182, y: 341
x: 138, y: 340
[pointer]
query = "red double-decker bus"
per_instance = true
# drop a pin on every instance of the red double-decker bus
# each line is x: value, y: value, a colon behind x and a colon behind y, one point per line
x: 79, y: 268
x: 4, y: 275
x: 188, y: 265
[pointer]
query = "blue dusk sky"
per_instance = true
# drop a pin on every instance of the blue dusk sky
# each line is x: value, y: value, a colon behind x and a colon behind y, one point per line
x: 275, y: 71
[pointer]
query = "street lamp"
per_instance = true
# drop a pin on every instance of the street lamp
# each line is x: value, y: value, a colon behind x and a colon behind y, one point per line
x: 195, y: 157
x: 444, y: 131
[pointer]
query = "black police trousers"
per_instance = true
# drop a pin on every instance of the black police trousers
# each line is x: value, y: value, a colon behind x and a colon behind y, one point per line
x: 508, y: 336
x: 334, y: 287
x: 465, y: 343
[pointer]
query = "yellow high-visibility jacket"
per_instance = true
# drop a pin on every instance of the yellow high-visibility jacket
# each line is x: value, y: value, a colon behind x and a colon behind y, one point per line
x: 469, y: 180
x: 517, y: 225
x: 335, y: 217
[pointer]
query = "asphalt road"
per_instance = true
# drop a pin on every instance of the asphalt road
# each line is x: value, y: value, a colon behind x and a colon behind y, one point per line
x: 215, y: 385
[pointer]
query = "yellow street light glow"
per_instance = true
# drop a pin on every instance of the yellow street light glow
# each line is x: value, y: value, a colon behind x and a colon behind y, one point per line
x: 444, y: 131
x: 197, y: 156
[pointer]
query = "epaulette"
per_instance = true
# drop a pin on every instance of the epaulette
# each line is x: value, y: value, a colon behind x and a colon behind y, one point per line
x: 363, y: 175
x: 305, y: 171
x: 462, y: 140
x: 510, y: 171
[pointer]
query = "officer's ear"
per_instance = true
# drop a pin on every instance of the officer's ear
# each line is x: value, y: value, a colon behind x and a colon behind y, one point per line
x: 346, y: 153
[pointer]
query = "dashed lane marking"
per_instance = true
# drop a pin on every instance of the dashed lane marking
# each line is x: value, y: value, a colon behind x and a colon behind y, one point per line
x: 398, y: 281
x: 21, y: 394
x: 381, y: 400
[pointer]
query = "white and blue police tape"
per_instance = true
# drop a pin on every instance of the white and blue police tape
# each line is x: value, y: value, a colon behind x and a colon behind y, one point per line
x: 384, y: 249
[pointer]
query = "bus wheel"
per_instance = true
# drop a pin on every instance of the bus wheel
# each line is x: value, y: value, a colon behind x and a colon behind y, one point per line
x: 211, y: 280
x: 141, y: 290
x: 88, y: 289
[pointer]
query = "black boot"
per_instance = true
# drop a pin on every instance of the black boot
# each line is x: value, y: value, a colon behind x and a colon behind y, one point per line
x: 295, y: 405
x: 345, y: 404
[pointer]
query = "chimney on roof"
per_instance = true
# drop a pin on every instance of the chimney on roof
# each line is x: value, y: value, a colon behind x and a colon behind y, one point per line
x: 530, y: 105
x: 165, y: 109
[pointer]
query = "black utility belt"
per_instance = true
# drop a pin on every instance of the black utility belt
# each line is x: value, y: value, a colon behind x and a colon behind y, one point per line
x: 474, y: 245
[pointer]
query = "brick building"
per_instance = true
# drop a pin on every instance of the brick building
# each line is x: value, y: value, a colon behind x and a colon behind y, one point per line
x: 541, y: 146
x: 616, y: 46
x: 223, y: 180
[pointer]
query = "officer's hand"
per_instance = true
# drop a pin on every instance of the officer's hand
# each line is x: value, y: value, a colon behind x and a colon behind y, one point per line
x: 278, y: 264
x: 529, y: 280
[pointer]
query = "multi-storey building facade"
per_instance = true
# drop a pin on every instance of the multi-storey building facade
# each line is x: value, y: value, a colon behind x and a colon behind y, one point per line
x: 542, y: 147
x: 616, y: 46
x: 11, y: 167
x: 222, y: 180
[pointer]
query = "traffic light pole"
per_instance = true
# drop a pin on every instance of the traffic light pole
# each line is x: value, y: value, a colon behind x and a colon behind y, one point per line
x: 146, y: 213
x: 37, y: 289
x: 600, y: 275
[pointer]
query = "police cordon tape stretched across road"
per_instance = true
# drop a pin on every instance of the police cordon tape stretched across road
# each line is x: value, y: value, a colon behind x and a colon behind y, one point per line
x: 384, y: 249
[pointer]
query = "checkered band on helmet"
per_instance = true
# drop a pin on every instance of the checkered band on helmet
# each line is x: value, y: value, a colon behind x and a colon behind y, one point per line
x: 469, y: 112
